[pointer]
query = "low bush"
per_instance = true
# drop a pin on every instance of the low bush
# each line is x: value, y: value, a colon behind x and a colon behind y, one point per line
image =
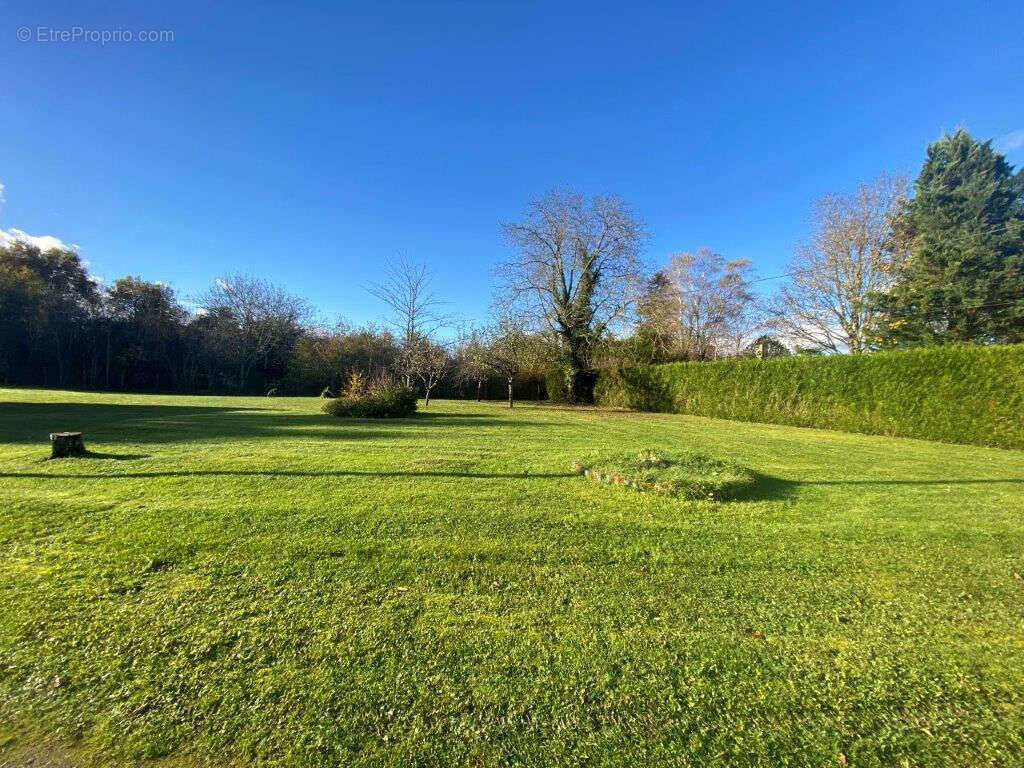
x: 958, y: 394
x: 382, y: 401
x: 685, y: 476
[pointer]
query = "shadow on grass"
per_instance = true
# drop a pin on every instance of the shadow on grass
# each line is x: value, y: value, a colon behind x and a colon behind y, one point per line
x: 107, y: 422
x: 767, y: 487
x: 470, y: 419
x: 981, y: 481
x: 421, y: 413
x: 111, y: 456
x: 297, y: 473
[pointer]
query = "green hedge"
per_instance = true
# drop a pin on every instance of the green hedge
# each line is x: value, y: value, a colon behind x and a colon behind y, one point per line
x: 554, y: 384
x: 958, y: 394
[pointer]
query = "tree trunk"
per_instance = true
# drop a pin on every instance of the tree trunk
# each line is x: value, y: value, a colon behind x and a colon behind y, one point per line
x: 581, y: 386
x: 509, y: 391
x: 571, y: 386
x: 65, y: 444
x: 479, y: 383
x: 574, y: 371
x: 426, y: 398
x: 60, y: 360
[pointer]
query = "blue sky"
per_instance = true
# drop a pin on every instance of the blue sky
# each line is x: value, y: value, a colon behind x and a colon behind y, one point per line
x: 310, y: 144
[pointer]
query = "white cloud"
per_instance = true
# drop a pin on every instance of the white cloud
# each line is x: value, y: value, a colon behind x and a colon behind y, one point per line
x: 1010, y: 141
x: 42, y: 242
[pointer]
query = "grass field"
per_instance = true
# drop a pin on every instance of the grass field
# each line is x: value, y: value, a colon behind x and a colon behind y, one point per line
x: 247, y: 579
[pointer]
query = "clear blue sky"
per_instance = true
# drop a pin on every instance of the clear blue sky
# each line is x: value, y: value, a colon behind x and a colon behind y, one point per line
x: 310, y: 143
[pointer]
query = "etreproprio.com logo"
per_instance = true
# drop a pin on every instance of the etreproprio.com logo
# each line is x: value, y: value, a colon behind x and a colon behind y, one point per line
x: 77, y: 34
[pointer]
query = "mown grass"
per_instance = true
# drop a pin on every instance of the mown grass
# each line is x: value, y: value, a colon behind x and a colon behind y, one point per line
x: 253, y: 581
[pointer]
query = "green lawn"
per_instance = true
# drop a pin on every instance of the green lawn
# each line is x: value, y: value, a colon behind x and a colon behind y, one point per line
x: 248, y: 579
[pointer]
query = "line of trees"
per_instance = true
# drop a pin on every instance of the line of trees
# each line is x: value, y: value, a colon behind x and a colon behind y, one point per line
x: 881, y: 268
x: 61, y: 328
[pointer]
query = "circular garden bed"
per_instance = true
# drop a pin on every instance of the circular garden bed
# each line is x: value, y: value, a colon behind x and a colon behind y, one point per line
x: 684, y: 475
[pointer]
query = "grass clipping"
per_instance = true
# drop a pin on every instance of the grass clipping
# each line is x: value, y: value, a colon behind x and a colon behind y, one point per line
x: 683, y: 475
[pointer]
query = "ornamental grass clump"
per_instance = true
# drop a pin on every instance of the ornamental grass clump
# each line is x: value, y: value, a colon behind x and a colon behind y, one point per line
x: 682, y: 475
x: 383, y: 398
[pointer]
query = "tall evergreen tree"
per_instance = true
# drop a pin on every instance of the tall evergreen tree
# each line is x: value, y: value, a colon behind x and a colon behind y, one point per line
x: 963, y: 276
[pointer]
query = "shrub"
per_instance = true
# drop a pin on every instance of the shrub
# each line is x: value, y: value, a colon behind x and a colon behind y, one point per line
x: 382, y: 400
x: 959, y: 394
x: 357, y: 384
x: 554, y: 383
x: 685, y: 476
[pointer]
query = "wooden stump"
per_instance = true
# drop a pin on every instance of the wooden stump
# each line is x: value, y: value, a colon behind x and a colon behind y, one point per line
x: 65, y: 444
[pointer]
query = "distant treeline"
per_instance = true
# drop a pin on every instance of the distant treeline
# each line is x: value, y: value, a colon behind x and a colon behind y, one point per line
x: 61, y: 328
x: 880, y: 270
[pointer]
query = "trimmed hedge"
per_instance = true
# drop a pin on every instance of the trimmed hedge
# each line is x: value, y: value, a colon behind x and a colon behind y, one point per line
x: 957, y: 394
x: 554, y: 384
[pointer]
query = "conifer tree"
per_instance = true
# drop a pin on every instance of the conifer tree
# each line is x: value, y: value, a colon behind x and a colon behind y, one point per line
x: 962, y: 279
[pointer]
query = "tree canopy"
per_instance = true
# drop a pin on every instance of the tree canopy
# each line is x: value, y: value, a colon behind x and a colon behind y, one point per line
x: 575, y: 272
x: 963, y: 278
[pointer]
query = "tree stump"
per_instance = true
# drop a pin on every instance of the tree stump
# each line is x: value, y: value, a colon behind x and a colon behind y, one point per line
x: 65, y: 444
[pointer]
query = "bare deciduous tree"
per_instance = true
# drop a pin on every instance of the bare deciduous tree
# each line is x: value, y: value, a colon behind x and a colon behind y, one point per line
x: 429, y: 363
x: 416, y: 314
x: 576, y: 272
x: 265, y: 318
x: 702, y: 304
x: 510, y: 350
x: 827, y: 303
x: 471, y: 358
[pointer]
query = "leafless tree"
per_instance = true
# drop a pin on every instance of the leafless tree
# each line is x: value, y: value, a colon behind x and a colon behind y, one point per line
x: 827, y: 303
x: 510, y: 351
x: 265, y: 319
x: 429, y: 363
x: 703, y: 304
x: 416, y: 310
x: 471, y: 358
x: 576, y: 272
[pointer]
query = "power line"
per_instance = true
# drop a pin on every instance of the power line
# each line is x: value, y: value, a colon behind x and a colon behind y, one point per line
x: 940, y: 312
x: 995, y: 230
